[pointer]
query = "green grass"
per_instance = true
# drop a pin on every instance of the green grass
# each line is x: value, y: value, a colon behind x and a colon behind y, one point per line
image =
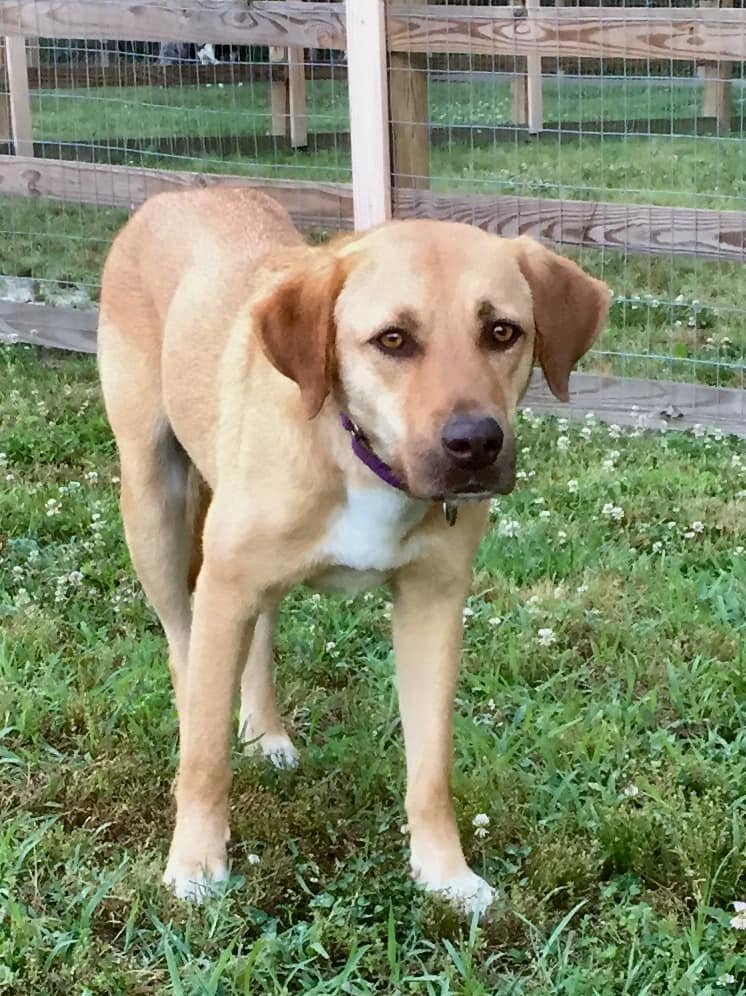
x: 611, y: 763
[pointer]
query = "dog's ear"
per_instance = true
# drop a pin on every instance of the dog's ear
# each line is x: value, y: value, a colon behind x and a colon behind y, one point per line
x: 295, y: 325
x: 570, y: 308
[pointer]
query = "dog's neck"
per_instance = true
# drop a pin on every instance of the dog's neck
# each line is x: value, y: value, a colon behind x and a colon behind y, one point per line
x: 367, y: 455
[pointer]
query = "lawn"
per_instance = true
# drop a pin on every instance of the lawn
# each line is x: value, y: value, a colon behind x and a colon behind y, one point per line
x: 600, y: 730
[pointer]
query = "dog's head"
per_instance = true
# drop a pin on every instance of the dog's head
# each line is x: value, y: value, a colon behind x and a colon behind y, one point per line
x: 426, y: 333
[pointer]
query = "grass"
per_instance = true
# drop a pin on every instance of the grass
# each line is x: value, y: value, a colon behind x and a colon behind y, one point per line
x: 608, y: 753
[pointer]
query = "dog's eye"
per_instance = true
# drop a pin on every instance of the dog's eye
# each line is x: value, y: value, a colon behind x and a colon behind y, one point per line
x: 397, y: 342
x: 503, y: 334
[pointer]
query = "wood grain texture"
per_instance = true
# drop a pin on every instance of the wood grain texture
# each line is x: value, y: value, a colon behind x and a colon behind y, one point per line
x: 643, y: 228
x: 261, y: 22
x: 611, y: 398
x: 632, y: 33
x: 278, y: 92
x: 126, y: 187
x: 409, y: 114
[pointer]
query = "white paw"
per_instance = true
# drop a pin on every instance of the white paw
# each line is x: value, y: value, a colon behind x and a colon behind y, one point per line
x: 467, y: 893
x: 194, y: 884
x: 277, y: 748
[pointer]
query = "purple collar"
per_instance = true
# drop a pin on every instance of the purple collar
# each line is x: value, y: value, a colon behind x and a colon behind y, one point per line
x: 362, y: 450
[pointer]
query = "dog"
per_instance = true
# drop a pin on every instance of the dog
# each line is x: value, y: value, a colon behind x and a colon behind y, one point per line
x: 338, y: 417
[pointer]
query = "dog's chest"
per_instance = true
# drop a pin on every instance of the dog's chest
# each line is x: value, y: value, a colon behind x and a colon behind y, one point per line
x: 368, y: 537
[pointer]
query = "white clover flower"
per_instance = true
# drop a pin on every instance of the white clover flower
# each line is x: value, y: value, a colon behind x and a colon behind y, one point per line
x: 494, y: 620
x: 253, y: 859
x: 545, y: 514
x: 91, y: 475
x: 330, y: 646
x: 521, y: 475
x: 572, y: 486
x: 3, y: 460
x: 546, y: 637
x: 563, y: 443
x: 614, y: 431
x: 582, y: 589
x: 10, y: 478
x: 52, y: 507
x: 586, y: 432
x: 561, y: 535
x: 481, y: 820
x: 611, y: 511
x: 467, y: 613
x: 509, y: 527
x: 590, y: 416
x: 698, y: 430
x: 657, y: 546
x: 74, y: 577
x: 630, y: 791
x: 726, y: 979
x: 697, y: 527
x: 607, y: 465
x: 738, y: 922
x: 738, y: 551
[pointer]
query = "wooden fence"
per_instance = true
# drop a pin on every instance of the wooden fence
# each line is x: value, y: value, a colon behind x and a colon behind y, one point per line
x: 389, y: 134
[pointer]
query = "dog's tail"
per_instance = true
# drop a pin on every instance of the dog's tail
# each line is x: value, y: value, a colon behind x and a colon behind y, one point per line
x: 198, y: 499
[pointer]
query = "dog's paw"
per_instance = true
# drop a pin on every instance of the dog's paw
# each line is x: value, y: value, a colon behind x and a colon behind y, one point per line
x: 193, y: 881
x: 279, y: 750
x: 467, y: 893
x: 276, y: 747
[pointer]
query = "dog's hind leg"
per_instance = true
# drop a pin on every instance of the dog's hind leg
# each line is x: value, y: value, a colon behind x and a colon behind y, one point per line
x: 154, y: 475
x: 260, y: 722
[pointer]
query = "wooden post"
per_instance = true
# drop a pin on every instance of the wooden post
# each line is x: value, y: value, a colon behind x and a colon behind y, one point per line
x: 533, y: 82
x: 33, y: 60
x: 278, y: 93
x: 716, y: 94
x: 409, y: 113
x: 369, y: 107
x: 20, y: 101
x: 518, y: 83
x: 297, y: 92
x: 4, y: 97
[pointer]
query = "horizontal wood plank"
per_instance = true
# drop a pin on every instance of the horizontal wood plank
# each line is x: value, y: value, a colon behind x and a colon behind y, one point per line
x: 309, y: 203
x: 623, y: 400
x: 43, y: 325
x: 632, y: 33
x: 261, y: 22
x: 591, y: 224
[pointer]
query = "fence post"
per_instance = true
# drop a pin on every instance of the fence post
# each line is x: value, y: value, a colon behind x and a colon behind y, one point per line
x: 278, y: 92
x: 369, y: 111
x: 533, y: 81
x: 297, y: 90
x: 4, y: 97
x: 20, y: 101
x: 518, y: 84
x: 716, y: 93
x: 409, y: 112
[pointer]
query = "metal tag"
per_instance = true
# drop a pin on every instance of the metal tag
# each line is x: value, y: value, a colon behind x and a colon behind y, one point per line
x: 450, y: 512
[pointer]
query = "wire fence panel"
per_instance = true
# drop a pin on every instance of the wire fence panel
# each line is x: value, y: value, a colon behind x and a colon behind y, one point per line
x: 613, y: 131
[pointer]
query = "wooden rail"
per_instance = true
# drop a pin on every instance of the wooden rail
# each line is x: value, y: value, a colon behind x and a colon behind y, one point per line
x: 631, y: 33
x: 672, y: 231
x: 310, y: 203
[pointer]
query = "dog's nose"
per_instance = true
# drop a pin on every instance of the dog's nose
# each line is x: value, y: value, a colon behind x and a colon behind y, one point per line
x: 472, y: 441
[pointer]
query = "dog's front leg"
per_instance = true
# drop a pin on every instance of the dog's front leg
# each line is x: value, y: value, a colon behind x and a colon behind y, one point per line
x: 428, y: 620
x: 225, y: 608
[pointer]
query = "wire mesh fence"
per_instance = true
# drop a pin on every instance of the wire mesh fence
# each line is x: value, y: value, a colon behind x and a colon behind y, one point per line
x: 616, y: 131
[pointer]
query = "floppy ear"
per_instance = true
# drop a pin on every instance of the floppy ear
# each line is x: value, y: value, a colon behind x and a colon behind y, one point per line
x: 295, y: 326
x: 570, y: 307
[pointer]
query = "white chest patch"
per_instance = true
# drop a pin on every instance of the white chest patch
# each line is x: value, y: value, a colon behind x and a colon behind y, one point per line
x: 369, y: 533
